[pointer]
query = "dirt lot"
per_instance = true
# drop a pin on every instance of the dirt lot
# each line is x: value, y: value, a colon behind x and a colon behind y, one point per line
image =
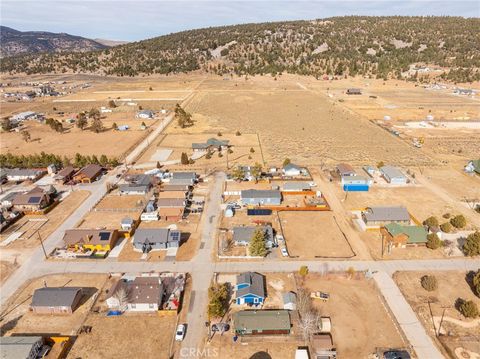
x: 6, y: 268
x: 18, y: 319
x: 314, y: 234
x: 115, y: 201
x: 457, y: 331
x: 356, y: 330
x: 126, y: 336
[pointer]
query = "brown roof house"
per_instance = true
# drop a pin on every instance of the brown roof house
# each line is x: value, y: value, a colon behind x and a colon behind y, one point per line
x: 102, y: 240
x: 56, y: 300
x: 34, y: 200
x: 171, y: 209
x: 64, y: 175
x: 142, y: 294
x: 88, y: 174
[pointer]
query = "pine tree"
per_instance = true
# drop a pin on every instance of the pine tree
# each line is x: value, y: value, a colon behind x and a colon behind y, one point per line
x: 257, y: 245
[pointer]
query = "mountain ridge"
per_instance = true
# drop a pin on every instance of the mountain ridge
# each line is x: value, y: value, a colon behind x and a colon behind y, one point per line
x: 382, y: 47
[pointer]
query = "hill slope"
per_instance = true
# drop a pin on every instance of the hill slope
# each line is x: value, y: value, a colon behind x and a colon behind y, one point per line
x: 14, y: 42
x: 378, y: 46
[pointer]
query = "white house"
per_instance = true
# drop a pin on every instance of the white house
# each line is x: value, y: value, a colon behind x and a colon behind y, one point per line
x: 393, y: 175
x: 142, y: 294
x: 293, y: 170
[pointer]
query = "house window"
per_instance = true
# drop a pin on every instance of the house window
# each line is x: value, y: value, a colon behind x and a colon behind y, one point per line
x: 133, y: 306
x: 256, y: 300
x: 151, y: 305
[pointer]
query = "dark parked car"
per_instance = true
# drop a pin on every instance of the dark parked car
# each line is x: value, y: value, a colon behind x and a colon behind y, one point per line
x: 396, y: 354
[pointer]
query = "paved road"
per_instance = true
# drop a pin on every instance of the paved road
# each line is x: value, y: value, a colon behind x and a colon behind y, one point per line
x: 406, y: 318
x: 202, y: 270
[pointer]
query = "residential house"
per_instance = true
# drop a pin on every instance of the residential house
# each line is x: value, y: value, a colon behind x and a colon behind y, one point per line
x: 354, y: 91
x: 173, y: 187
x: 172, y: 194
x: 142, y: 294
x: 393, y: 175
x: 145, y: 114
x: 289, y: 301
x: 261, y: 197
x: 7, y: 200
x: 138, y: 185
x: 243, y: 235
x: 262, y: 322
x: 102, y: 240
x: 397, y: 235
x: 380, y: 216
x: 21, y: 347
x: 127, y: 224
x: 296, y: 187
x: 183, y: 178
x: 344, y: 169
x: 250, y: 289
x: 473, y: 166
x: 88, y: 174
x: 292, y: 170
x: 356, y: 180
x: 171, y: 203
x: 148, y: 239
x: 3, y: 175
x: 172, y: 214
x: 56, y: 300
x: 24, y: 174
x: 212, y: 143
x: 64, y: 175
x: 32, y: 201
x: 322, y: 346
x: 371, y: 170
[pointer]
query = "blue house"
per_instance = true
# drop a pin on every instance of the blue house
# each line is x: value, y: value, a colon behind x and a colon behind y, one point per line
x: 250, y: 289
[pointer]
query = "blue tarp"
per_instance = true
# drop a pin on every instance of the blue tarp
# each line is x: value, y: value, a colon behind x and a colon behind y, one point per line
x: 355, y: 187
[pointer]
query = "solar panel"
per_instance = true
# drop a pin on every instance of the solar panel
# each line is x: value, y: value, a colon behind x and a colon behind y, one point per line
x: 104, y: 236
x: 33, y: 199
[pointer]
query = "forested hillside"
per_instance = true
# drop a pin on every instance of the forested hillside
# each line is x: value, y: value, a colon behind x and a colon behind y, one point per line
x: 378, y: 46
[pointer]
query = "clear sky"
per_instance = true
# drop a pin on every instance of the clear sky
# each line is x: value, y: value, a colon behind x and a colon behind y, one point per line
x: 137, y: 20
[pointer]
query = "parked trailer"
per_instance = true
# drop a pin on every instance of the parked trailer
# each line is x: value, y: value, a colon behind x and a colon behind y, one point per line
x: 356, y: 187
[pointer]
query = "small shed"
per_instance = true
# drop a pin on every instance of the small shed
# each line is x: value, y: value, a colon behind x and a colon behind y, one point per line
x: 127, y: 223
x: 289, y: 301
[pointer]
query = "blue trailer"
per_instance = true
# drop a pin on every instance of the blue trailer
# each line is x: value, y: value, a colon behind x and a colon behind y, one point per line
x: 355, y: 187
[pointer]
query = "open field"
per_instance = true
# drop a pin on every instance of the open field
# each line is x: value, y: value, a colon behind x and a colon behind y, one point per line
x: 464, y: 186
x: 457, y: 331
x: 6, y: 268
x: 18, y: 319
x: 400, y: 100
x: 314, y: 234
x: 360, y: 320
x: 292, y: 122
x: 126, y: 336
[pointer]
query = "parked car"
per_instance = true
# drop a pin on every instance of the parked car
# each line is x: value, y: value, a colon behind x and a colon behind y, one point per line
x: 180, y: 333
x: 284, y: 251
x: 280, y: 238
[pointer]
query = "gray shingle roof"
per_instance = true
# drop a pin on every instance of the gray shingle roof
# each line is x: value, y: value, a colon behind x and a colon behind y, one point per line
x: 392, y: 172
x: 184, y: 175
x: 246, y: 233
x: 256, y: 284
x: 254, y: 193
x: 387, y: 214
x: 55, y: 296
x: 155, y: 235
x: 18, y: 346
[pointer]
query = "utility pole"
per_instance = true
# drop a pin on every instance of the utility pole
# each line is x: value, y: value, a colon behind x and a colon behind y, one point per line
x: 43, y: 247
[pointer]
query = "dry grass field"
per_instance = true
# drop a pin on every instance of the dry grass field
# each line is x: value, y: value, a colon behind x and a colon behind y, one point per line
x: 126, y: 336
x: 303, y: 125
x: 314, y: 234
x: 360, y: 320
x: 457, y: 331
x: 400, y: 100
x: 18, y: 319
